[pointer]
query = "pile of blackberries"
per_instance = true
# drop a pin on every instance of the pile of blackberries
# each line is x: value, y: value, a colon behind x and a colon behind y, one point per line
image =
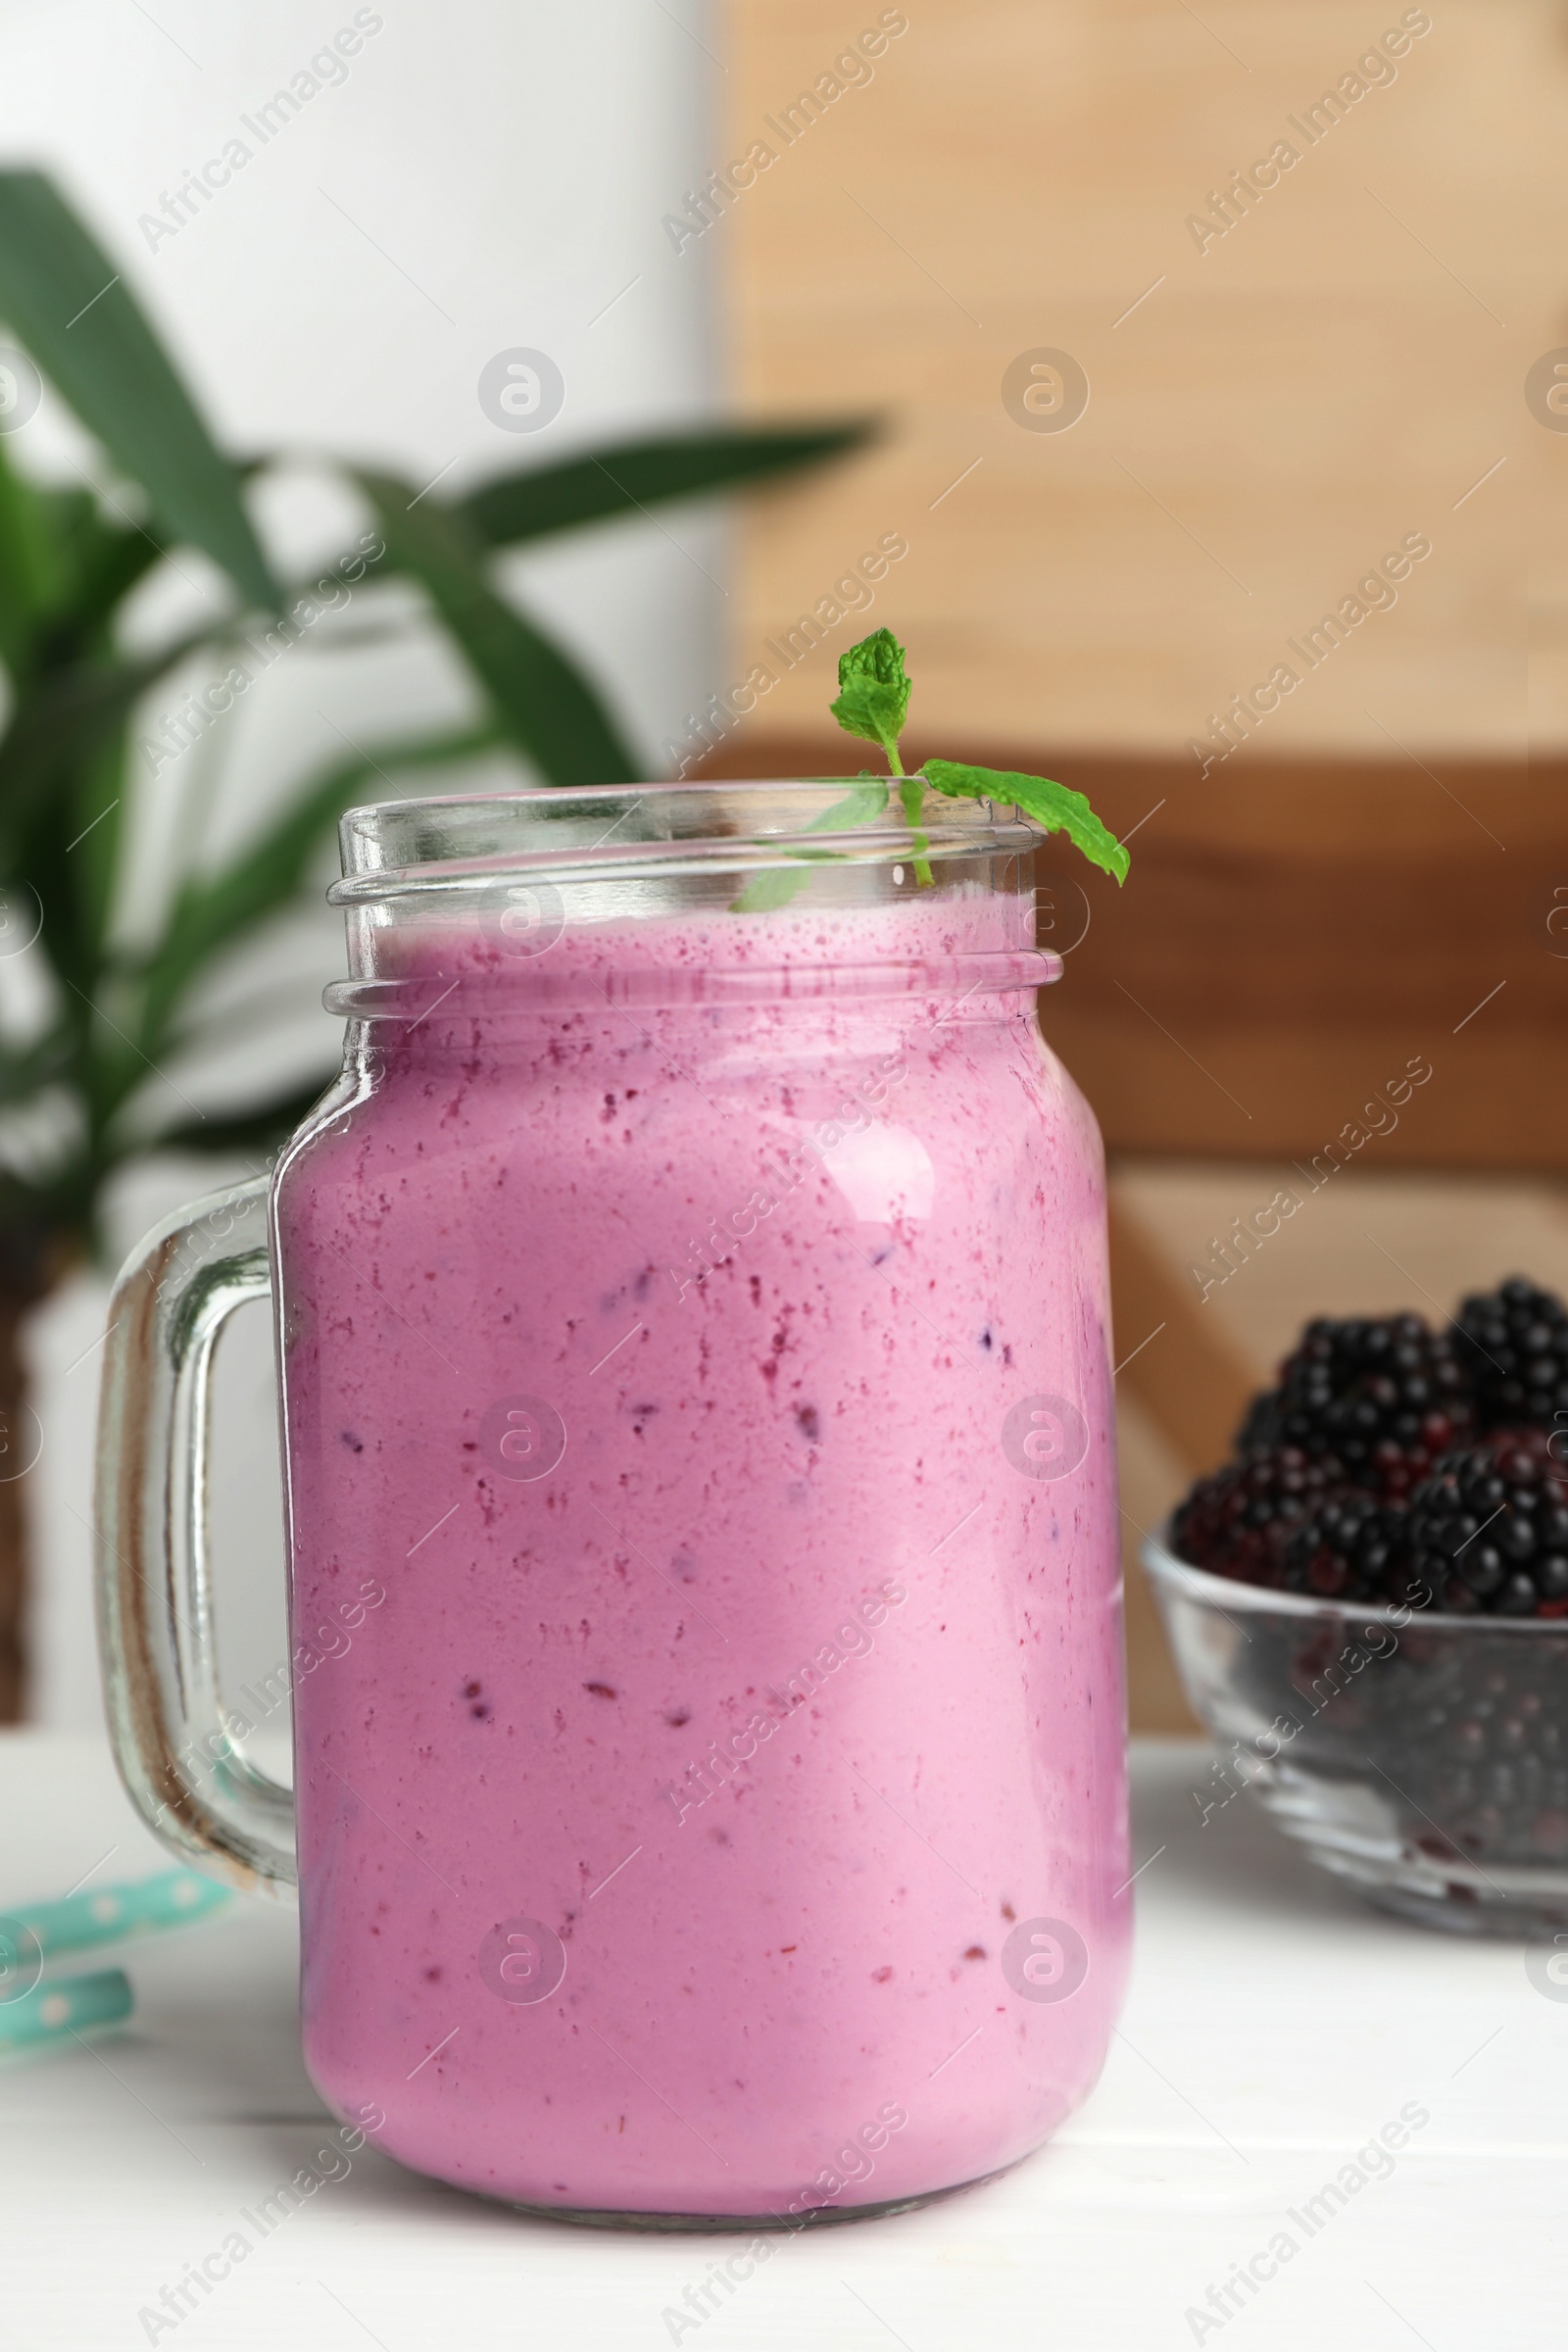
x: 1385, y: 1396
x: 1394, y: 1465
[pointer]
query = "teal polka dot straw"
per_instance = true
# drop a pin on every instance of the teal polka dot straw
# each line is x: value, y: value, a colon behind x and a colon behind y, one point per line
x: 61, y: 2013
x: 171, y: 1899
x: 34, y: 2014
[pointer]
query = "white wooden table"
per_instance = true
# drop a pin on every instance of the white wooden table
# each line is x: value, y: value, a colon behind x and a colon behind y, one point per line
x: 1274, y: 2027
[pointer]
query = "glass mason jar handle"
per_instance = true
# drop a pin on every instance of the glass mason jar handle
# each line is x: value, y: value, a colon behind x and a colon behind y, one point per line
x: 175, y: 1742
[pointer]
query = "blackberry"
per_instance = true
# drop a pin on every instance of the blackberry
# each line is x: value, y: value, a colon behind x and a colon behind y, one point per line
x: 1354, y: 1548
x: 1236, y: 1523
x: 1513, y: 1343
x: 1489, y: 1528
x: 1386, y: 1396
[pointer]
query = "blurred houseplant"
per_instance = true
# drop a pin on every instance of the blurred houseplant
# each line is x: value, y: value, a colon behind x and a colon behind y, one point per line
x: 78, y: 1078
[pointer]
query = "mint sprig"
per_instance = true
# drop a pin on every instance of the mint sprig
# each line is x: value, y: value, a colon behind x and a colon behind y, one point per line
x: 873, y: 701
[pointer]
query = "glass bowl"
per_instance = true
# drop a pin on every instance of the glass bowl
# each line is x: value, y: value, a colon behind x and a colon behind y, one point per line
x: 1423, y: 1757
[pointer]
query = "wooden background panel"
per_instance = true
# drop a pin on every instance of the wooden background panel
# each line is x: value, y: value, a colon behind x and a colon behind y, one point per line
x: 1375, y: 1239
x: 1295, y: 933
x: 1284, y: 405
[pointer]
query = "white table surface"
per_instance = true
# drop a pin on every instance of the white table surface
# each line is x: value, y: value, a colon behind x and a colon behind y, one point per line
x: 1274, y: 2026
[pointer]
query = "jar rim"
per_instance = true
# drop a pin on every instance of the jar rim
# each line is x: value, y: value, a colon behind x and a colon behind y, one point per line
x: 687, y: 828
x: 965, y: 984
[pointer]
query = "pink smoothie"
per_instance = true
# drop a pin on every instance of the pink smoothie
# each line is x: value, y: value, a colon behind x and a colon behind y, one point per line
x: 740, y: 1684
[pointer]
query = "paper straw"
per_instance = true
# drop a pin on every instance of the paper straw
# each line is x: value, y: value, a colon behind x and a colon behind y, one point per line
x: 54, y: 2013
x: 144, y: 1906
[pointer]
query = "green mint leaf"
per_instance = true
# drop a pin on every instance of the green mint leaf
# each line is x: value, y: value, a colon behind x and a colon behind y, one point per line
x: 777, y: 888
x: 873, y: 697
x: 1054, y: 807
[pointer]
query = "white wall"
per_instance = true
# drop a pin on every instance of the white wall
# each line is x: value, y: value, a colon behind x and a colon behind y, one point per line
x: 487, y: 175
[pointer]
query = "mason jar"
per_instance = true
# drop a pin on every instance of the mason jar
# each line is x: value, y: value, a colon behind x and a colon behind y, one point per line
x: 706, y: 1646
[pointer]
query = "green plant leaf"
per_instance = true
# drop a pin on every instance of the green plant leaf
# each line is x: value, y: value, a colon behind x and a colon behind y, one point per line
x: 873, y: 697
x: 776, y: 886
x: 63, y: 570
x: 62, y: 296
x: 31, y: 565
x: 62, y: 719
x: 110, y: 564
x: 215, y: 913
x: 24, y: 1069
x: 96, y: 814
x: 630, y: 475
x: 547, y: 707
x: 1056, y: 807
